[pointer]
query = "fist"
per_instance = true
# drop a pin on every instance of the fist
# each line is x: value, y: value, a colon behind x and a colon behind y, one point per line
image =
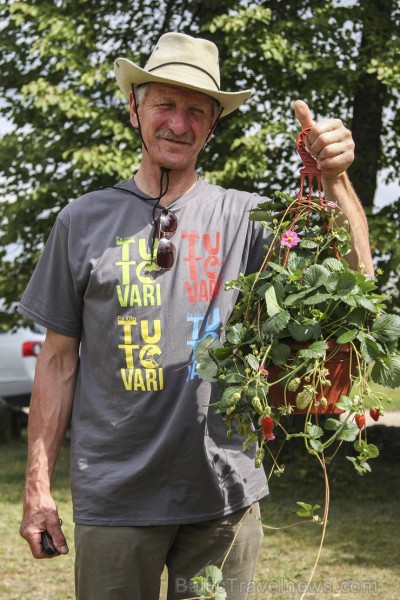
x: 328, y: 141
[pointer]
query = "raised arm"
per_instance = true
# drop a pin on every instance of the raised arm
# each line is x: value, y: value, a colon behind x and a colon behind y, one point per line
x: 331, y: 144
x: 49, y: 416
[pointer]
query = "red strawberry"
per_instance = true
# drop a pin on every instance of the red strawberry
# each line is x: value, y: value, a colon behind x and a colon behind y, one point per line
x: 360, y: 420
x: 267, y: 424
x: 375, y: 413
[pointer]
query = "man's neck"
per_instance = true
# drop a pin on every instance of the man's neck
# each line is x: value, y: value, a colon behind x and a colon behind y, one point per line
x: 180, y: 182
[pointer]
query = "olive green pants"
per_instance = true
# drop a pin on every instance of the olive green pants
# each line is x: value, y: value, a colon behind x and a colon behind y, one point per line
x: 126, y: 563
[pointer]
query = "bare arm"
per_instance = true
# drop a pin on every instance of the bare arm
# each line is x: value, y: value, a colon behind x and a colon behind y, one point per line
x: 333, y: 147
x: 49, y: 415
x: 341, y: 191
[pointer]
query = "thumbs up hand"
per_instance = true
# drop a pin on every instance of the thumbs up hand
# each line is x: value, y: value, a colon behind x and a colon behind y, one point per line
x: 328, y: 141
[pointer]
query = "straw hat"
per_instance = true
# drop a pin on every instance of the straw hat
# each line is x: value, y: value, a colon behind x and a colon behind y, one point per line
x: 184, y: 61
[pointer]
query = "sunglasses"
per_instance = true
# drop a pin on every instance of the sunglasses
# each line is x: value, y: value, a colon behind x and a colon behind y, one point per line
x: 166, y: 225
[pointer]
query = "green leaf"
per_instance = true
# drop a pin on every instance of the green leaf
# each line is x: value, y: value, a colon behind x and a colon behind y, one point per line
x: 333, y: 264
x: 222, y: 352
x: 332, y: 424
x: 253, y: 362
x: 280, y: 354
x: 208, y: 586
x: 370, y: 350
x: 315, y: 276
x: 317, y: 445
x: 213, y: 573
x: 206, y: 366
x: 278, y: 268
x: 366, y: 303
x: 361, y: 468
x: 258, y: 215
x: 345, y: 403
x: 236, y: 333
x: 306, y: 510
x: 315, y: 350
x: 315, y: 299
x: 276, y: 324
x: 271, y: 301
x: 220, y: 594
x: 305, y: 331
x: 207, y: 370
x: 340, y: 283
x: 308, y: 244
x: 294, y: 298
x: 234, y: 377
x: 386, y: 371
x: 345, y: 284
x: 349, y: 432
x: 367, y: 450
x: 387, y: 328
x: 314, y: 431
x: 228, y: 393
x: 348, y: 336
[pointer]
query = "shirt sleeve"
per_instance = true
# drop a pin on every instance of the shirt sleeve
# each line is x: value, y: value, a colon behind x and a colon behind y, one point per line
x: 51, y: 298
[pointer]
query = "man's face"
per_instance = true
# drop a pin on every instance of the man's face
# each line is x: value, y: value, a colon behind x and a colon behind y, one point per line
x: 175, y: 123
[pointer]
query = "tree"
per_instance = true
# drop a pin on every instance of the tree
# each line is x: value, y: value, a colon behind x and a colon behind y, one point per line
x: 71, y: 129
x: 71, y: 126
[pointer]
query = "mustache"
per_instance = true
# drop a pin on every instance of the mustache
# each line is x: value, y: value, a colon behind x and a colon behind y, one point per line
x: 167, y: 134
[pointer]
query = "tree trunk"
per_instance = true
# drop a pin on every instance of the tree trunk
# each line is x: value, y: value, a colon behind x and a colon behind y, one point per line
x: 369, y: 101
x: 368, y: 106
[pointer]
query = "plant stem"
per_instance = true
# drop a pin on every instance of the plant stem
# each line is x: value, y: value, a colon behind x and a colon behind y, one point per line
x: 325, y: 522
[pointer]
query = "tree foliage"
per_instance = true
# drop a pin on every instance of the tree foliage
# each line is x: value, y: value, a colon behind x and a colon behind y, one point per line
x: 70, y: 126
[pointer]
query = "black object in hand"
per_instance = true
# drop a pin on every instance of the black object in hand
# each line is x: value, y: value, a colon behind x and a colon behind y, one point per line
x: 47, y: 544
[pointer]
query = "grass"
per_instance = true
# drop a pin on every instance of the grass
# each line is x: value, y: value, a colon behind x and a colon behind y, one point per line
x: 359, y: 560
x: 391, y: 400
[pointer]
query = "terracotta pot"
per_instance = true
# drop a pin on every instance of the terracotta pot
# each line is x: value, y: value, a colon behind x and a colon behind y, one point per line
x: 338, y: 364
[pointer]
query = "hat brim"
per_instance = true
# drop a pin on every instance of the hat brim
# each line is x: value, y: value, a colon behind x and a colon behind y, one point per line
x: 127, y: 73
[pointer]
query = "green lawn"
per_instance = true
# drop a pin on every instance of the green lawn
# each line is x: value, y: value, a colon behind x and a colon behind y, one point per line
x: 392, y: 397
x: 359, y: 560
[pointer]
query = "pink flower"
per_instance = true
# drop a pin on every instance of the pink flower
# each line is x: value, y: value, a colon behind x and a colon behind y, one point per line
x: 290, y: 239
x: 329, y: 204
x: 263, y: 370
x: 268, y: 437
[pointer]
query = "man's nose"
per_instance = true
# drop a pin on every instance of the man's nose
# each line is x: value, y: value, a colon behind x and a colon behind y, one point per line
x: 179, y: 122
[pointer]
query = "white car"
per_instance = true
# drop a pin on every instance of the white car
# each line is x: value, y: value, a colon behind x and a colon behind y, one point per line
x: 19, y: 350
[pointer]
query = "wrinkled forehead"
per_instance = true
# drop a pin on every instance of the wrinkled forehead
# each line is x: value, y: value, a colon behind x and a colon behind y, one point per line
x: 166, y: 89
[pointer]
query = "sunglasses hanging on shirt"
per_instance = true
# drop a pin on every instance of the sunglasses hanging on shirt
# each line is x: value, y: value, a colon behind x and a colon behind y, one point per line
x: 166, y: 225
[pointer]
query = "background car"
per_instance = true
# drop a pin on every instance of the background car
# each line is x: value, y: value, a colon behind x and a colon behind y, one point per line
x: 19, y: 350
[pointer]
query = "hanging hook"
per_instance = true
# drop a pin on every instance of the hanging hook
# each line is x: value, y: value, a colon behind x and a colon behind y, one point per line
x: 310, y: 169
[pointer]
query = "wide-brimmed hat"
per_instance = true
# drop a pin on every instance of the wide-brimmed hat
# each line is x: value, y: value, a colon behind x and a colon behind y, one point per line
x: 184, y: 61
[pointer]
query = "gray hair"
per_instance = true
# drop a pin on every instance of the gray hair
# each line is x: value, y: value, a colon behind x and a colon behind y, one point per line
x: 142, y: 89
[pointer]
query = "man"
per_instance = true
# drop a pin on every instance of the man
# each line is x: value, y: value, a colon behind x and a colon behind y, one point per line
x: 130, y: 280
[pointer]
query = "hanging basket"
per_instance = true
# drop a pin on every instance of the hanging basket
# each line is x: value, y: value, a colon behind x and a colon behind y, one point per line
x: 340, y: 369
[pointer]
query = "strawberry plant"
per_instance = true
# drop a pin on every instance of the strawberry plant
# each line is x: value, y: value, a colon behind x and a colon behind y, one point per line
x: 302, y: 311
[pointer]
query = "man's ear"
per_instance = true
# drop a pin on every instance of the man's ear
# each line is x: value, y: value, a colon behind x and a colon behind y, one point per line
x: 132, y: 111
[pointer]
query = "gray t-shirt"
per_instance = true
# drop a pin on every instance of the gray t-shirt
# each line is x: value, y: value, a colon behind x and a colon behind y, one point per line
x: 146, y: 447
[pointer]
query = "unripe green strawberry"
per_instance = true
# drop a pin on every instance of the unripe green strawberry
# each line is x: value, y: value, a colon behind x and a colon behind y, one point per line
x: 259, y: 457
x: 293, y: 385
x: 256, y: 403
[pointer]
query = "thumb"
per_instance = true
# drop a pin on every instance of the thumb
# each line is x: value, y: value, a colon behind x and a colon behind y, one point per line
x: 303, y: 114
